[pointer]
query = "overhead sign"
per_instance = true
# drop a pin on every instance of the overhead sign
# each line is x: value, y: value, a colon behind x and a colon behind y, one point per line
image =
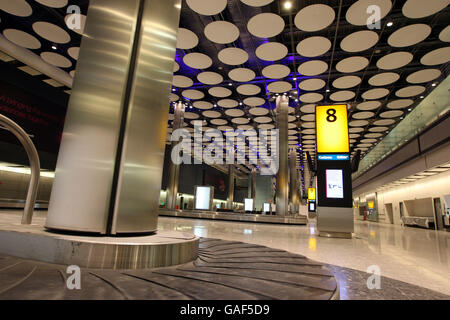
x: 332, y: 129
x: 311, y: 193
x: 333, y: 157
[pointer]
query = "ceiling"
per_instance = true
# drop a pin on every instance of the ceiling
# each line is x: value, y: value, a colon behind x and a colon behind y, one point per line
x: 234, y: 56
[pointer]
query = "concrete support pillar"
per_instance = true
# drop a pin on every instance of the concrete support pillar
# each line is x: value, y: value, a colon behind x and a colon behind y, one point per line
x: 294, y: 197
x: 253, y: 187
x: 282, y: 187
x: 230, y: 197
x: 174, y: 169
x: 109, y: 169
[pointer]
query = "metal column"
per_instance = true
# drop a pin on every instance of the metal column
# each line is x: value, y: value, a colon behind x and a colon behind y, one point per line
x: 282, y: 187
x: 174, y: 169
x: 253, y: 187
x: 109, y: 169
x: 294, y: 198
x: 230, y: 197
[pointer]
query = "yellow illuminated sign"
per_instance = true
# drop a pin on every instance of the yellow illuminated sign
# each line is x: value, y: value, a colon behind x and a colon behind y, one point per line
x: 332, y: 129
x: 370, y: 204
x: 311, y: 193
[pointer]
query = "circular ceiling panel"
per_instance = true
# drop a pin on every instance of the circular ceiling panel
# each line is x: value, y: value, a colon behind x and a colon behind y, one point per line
x: 22, y: 38
x: 373, y: 135
x: 359, y: 12
x: 271, y: 51
x: 423, y: 75
x: 410, y: 91
x: 437, y: 56
x: 409, y: 35
x: 346, y: 82
x: 378, y: 129
x: 209, y: 77
x: 444, y: 35
x: 262, y: 119
x: 314, y: 17
x: 219, y: 92
x: 400, y: 103
x: 258, y: 111
x: 204, y: 105
x: 241, y: 74
x: 343, y: 95
x: 186, y: 39
x: 416, y: 9
x: 373, y: 94
x: 383, y: 79
x: 308, y: 108
x: 224, y: 128
x: 173, y: 97
x: 51, y: 32
x: 311, y: 97
x: 394, y: 60
x: 254, y: 101
x: 234, y: 112
x: 182, y: 81
x: 193, y: 94
x: 248, y: 89
x: 207, y: 8
x: 221, y: 32
x: 266, y: 126
x: 359, y: 41
x: 358, y: 123
x: 355, y: 129
x: 240, y: 120
x: 363, y: 115
x: 191, y: 115
x: 313, y: 46
x: 312, y: 84
x: 233, y: 56
x: 197, y: 60
x: 276, y: 71
x: 391, y: 114
x: 53, y: 3
x: 16, y: 7
x: 219, y: 122
x: 176, y: 66
x: 211, y: 114
x: 257, y: 3
x: 56, y: 59
x: 279, y: 86
x: 352, y: 64
x: 384, y: 122
x: 265, y: 25
x: 368, y: 105
x: 308, y: 117
x: 312, y: 68
x: 227, y: 103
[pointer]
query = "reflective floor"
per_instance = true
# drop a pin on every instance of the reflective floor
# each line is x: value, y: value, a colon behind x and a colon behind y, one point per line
x: 416, y: 256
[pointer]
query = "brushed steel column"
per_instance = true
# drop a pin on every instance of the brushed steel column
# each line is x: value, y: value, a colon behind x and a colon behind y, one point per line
x: 109, y: 167
x: 230, y: 197
x: 253, y: 187
x: 174, y: 169
x: 294, y: 198
x: 282, y: 187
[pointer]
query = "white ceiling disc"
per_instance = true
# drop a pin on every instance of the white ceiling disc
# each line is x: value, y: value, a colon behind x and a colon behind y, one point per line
x: 276, y: 71
x: 308, y: 117
x: 279, y: 86
x: 262, y: 119
x: 311, y: 97
x: 234, y: 112
x: 209, y: 77
x: 176, y: 66
x: 219, y: 122
x: 373, y: 135
x: 382, y: 79
x: 291, y: 110
x: 359, y: 12
x: 219, y: 92
x: 343, y: 95
x: 308, y: 131
x: 265, y: 25
x: 409, y: 35
x: 292, y: 118
x: 400, y: 103
x: 16, y: 7
x: 308, y: 125
x: 197, y: 60
x: 53, y: 3
x: 227, y: 103
x: 391, y: 114
x: 75, y: 22
x: 309, y: 142
x: 211, y: 114
x: 355, y: 129
x: 241, y: 74
x: 221, y: 32
x: 359, y: 41
x: 309, y: 137
x: 240, y: 120
x: 51, y: 32
x: 56, y: 59
x: 364, y: 145
x: 258, y: 111
x: 173, y: 97
x: 182, y: 81
x: 378, y: 129
x: 312, y: 84
x: 254, y: 101
x: 74, y: 52
x: 384, y: 122
x: 410, y: 91
x: 358, y: 123
x: 313, y: 46
x: 394, y: 60
x: 437, y: 56
x: 257, y: 3
x: 373, y: 94
x: 314, y: 17
x: 444, y: 35
x: 368, y: 140
x: 225, y: 128
x: 346, y: 82
x: 204, y: 105
x: 207, y: 8
x: 418, y: 9
x: 190, y: 115
x: 247, y: 127
x: 422, y: 76
x: 271, y: 51
x: 312, y: 68
x: 233, y: 56
x: 186, y: 39
x: 308, y: 108
x: 363, y: 115
x: 248, y: 89
x: 352, y: 64
x: 368, y: 105
x: 22, y: 38
x: 266, y: 126
x: 292, y: 125
x: 193, y: 94
x: 354, y: 135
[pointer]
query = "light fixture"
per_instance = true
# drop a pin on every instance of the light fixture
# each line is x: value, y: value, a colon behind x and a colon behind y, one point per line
x: 287, y: 4
x: 294, y: 79
x: 54, y: 47
x: 328, y: 90
x: 421, y: 97
x: 409, y: 109
x: 390, y: 24
x: 434, y: 84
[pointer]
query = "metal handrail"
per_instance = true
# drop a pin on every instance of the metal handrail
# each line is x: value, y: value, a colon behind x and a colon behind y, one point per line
x: 35, y: 166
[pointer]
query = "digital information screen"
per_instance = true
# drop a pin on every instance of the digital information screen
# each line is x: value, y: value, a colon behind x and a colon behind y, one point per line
x: 202, y: 198
x: 266, y: 207
x: 334, y: 183
x: 312, y: 206
x: 248, y: 204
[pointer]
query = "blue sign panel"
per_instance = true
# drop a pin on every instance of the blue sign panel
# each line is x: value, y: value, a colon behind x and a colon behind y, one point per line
x: 333, y: 157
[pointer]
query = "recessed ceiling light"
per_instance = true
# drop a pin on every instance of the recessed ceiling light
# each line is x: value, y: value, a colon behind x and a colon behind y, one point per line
x: 434, y: 84
x: 421, y: 97
x: 390, y: 24
x: 288, y: 5
x: 409, y: 109
x: 54, y: 47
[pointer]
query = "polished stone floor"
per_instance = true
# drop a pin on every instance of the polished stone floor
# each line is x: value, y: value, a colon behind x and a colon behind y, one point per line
x: 411, y: 255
